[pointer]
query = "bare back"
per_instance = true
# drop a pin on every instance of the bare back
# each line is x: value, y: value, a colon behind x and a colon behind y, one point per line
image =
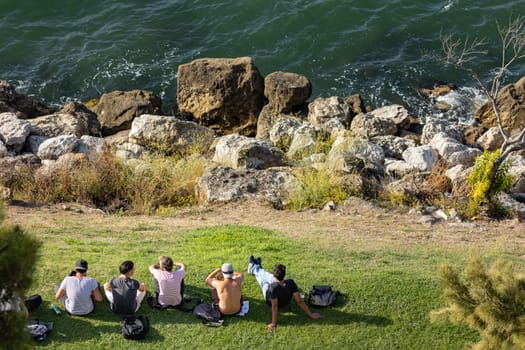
x: 230, y: 293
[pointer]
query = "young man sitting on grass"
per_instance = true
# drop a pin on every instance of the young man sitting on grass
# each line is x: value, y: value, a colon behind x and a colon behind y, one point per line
x: 169, y: 284
x: 276, y: 290
x: 123, y: 292
x: 226, y: 289
x: 77, y: 291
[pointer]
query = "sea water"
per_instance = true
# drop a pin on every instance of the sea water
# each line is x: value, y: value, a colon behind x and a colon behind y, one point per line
x: 79, y: 49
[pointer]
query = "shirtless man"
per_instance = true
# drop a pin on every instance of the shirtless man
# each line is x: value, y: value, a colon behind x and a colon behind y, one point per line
x: 226, y: 289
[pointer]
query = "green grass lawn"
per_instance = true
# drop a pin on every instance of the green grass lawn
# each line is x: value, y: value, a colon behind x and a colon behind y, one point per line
x: 388, y: 292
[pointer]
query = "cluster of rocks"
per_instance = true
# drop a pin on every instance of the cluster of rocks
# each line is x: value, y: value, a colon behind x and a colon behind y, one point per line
x: 254, y: 129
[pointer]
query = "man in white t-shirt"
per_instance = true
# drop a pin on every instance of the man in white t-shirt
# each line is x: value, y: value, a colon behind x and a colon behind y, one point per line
x: 77, y: 291
x: 169, y: 283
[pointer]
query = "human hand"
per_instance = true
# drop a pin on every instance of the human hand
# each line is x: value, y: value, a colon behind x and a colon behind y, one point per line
x: 271, y: 326
x: 315, y: 315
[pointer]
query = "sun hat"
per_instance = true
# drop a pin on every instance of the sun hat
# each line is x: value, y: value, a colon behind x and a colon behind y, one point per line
x: 227, y: 270
x: 81, y: 265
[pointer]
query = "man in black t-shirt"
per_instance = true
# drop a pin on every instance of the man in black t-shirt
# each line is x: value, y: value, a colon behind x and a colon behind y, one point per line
x: 277, y: 291
x: 123, y: 292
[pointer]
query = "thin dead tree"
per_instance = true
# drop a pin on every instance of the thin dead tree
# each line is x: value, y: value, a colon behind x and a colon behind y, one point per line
x: 461, y: 52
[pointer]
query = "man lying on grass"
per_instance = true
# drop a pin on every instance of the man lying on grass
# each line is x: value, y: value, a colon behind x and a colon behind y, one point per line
x: 276, y: 290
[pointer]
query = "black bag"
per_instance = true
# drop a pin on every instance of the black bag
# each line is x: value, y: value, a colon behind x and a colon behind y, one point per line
x: 209, y: 314
x: 135, y: 327
x: 33, y: 302
x: 322, y: 296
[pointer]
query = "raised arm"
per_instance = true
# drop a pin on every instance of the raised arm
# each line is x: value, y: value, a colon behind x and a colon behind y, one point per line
x: 180, y: 265
x: 239, y: 277
x: 153, y: 267
x: 211, y: 277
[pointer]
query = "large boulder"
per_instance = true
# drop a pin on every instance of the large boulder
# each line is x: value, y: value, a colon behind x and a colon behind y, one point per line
x: 57, y: 124
x: 241, y: 152
x: 304, y: 142
x: 346, y: 152
x: 84, y: 115
x: 224, y: 184
x: 511, y: 104
x: 285, y: 91
x: 491, y: 140
x: 283, y: 131
x: 422, y: 158
x: 91, y: 146
x: 453, y: 151
x: 24, y: 106
x: 13, y: 131
x: 221, y: 93
x: 330, y: 114
x: 382, y: 121
x: 435, y: 126
x: 170, y: 134
x: 55, y: 147
x: 116, y: 110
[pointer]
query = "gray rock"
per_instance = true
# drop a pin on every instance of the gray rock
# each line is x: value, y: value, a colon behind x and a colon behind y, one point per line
x: 86, y: 116
x: 329, y: 114
x: 453, y: 151
x: 393, y: 146
x: 91, y: 146
x: 347, y: 151
x: 491, y: 140
x: 58, y: 124
x: 241, y: 152
x: 304, y: 142
x: 170, y: 134
x: 13, y: 131
x: 283, y: 130
x: 33, y: 143
x: 55, y: 147
x: 422, y: 158
x: 433, y: 127
x: 224, y: 184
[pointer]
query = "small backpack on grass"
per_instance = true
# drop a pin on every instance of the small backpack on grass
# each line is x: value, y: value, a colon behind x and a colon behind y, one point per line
x: 33, y: 302
x: 135, y: 327
x: 208, y: 314
x: 322, y: 296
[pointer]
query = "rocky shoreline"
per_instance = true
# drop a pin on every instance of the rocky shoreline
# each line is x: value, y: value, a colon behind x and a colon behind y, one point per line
x: 255, y: 129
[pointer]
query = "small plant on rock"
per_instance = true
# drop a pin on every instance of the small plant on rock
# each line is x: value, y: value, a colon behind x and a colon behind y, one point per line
x: 489, y: 177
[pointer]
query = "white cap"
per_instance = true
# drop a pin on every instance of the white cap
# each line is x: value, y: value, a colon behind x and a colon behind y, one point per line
x: 227, y: 270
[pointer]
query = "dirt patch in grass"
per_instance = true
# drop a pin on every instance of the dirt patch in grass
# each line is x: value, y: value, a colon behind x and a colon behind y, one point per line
x: 359, y: 224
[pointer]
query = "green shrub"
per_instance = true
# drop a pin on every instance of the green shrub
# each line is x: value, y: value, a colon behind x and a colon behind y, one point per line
x: 18, y: 256
x: 491, y: 301
x: 489, y: 177
x: 110, y: 184
x: 161, y: 182
x: 316, y: 188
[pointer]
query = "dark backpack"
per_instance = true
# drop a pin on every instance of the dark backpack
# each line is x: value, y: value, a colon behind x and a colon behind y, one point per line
x: 322, y: 296
x: 135, y: 327
x: 33, y: 302
x: 209, y: 314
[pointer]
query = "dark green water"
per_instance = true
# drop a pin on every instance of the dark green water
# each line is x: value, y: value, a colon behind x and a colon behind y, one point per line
x: 78, y: 49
